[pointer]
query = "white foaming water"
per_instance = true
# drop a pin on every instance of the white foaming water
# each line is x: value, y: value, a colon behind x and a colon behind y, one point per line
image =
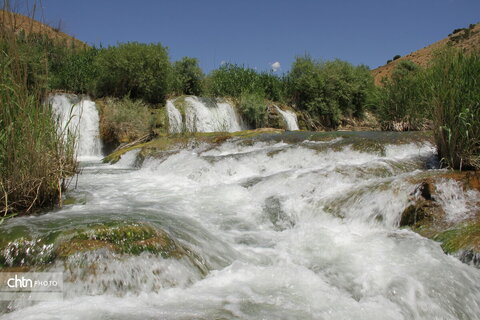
x: 286, y: 232
x: 175, y: 124
x: 458, y: 205
x: 79, y: 119
x: 204, y: 115
x: 290, y: 119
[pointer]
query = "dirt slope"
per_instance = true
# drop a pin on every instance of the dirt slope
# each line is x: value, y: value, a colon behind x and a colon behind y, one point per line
x: 19, y: 22
x: 467, y: 38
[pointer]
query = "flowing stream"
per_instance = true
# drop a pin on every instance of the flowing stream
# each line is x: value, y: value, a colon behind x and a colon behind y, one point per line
x: 304, y: 230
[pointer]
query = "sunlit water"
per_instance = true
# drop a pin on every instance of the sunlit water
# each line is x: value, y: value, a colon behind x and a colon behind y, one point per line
x: 284, y: 231
x: 203, y: 115
x: 78, y: 117
x: 290, y: 119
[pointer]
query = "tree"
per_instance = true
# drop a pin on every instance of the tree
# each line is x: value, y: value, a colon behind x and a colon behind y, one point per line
x: 188, y: 77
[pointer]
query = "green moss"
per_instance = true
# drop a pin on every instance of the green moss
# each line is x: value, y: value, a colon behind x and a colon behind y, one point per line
x: 26, y: 251
x: 465, y: 237
x: 160, y: 120
x: 126, y: 239
x: 73, y: 200
x: 181, y: 104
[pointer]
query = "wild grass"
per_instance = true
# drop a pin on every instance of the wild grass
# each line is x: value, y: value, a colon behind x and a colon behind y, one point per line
x: 400, y: 103
x: 454, y: 95
x: 447, y: 95
x: 124, y: 120
x: 35, y: 161
x: 253, y: 108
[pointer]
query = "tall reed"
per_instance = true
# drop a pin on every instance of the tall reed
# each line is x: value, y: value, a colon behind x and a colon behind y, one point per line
x: 454, y: 94
x: 35, y: 161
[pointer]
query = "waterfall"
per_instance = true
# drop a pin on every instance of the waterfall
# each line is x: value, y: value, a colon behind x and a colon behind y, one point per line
x: 290, y: 119
x: 204, y: 115
x: 78, y: 117
x: 175, y: 124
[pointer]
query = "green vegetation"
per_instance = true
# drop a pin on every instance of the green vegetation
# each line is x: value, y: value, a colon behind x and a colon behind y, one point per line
x: 466, y: 237
x: 124, y: 120
x: 74, y: 70
x: 187, y: 77
x: 141, y: 71
x: 231, y: 80
x: 35, y: 159
x: 399, y: 104
x: 445, y: 95
x: 461, y: 34
x: 453, y: 93
x: 253, y: 108
x: 329, y: 90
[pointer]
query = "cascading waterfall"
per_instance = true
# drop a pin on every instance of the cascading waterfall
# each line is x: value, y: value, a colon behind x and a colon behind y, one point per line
x: 204, y: 115
x: 174, y: 118
x: 303, y: 230
x: 79, y: 118
x: 290, y: 119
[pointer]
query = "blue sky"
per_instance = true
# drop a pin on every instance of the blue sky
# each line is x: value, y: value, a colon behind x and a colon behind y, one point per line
x: 259, y: 33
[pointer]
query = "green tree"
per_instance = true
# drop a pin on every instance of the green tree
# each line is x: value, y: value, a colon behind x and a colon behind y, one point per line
x: 188, y: 77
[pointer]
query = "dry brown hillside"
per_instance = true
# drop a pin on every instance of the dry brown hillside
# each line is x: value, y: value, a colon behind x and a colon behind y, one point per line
x: 467, y: 38
x: 20, y: 22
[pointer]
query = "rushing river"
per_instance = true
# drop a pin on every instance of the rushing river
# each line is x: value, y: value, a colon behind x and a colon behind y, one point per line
x: 304, y: 230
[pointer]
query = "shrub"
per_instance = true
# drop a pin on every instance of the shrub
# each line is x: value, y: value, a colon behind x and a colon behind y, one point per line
x: 231, y: 80
x: 397, y: 57
x: 141, y: 71
x: 329, y: 90
x: 253, y: 108
x: 124, y: 120
x: 188, y: 77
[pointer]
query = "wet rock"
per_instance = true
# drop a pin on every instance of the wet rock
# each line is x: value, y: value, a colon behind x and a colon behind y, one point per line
x: 125, y: 239
x: 23, y: 250
x: 426, y: 217
x: 275, y: 213
x: 415, y: 213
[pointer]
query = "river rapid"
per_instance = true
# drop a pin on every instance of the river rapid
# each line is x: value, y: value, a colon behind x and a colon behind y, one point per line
x: 278, y: 229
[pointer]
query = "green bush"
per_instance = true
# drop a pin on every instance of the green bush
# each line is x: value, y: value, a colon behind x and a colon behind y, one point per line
x: 231, y: 80
x: 329, y: 90
x: 253, y: 108
x: 187, y: 77
x: 141, y: 71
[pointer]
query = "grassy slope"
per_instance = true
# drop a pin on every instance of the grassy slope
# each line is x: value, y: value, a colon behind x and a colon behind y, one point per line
x: 425, y: 55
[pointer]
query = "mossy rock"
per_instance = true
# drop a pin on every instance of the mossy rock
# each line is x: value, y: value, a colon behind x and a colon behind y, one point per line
x: 166, y: 142
x: 460, y: 238
x: 20, y: 250
x: 124, y: 239
x: 415, y: 213
x: 25, y: 251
